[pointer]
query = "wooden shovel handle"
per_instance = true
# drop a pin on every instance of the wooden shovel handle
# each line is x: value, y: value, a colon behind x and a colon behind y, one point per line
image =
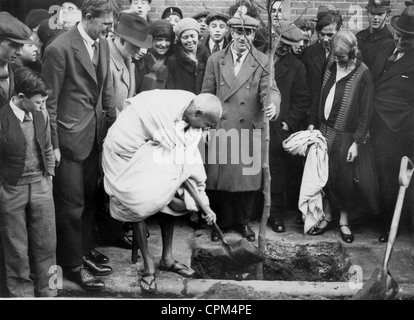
x: 194, y: 193
x: 406, y: 172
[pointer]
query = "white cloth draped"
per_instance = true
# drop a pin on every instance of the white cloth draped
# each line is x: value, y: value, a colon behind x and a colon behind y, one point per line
x: 148, y: 154
x: 313, y: 146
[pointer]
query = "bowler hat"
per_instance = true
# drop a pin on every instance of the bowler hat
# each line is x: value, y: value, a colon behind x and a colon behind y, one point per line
x: 323, y: 9
x: 200, y: 15
x: 35, y: 16
x: 216, y: 16
x: 134, y: 29
x: 186, y: 24
x: 378, y: 6
x: 405, y: 22
x: 243, y: 21
x: 409, y: 3
x: 13, y: 29
x: 171, y: 10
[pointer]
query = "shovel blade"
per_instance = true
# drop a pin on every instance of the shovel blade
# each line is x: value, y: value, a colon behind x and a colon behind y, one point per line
x: 245, y: 253
x: 379, y: 286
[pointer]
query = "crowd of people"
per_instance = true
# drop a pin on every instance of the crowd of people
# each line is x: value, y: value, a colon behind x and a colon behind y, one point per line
x: 105, y: 113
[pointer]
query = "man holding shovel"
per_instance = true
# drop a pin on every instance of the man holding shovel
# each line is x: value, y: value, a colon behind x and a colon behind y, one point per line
x: 148, y: 153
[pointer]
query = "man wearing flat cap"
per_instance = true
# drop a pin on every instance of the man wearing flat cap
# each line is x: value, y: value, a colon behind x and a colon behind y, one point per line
x: 201, y: 18
x: 76, y: 64
x: 392, y: 123
x: 371, y: 38
x: 217, y: 27
x: 290, y: 77
x: 238, y: 76
x: 13, y: 35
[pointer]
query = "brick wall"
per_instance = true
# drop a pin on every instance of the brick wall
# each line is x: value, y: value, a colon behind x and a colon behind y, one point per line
x: 353, y: 11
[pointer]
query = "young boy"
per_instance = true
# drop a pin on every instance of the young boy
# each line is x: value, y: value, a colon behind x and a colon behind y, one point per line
x: 27, y: 213
x: 217, y: 27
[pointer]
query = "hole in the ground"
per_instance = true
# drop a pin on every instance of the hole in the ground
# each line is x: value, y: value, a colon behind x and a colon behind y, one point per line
x: 319, y: 262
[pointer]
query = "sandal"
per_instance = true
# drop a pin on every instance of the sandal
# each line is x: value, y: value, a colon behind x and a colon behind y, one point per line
x: 179, y: 268
x: 142, y: 281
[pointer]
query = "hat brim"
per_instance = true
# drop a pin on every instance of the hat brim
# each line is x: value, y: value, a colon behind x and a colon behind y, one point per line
x: 291, y: 43
x: 377, y: 10
x: 394, y: 24
x: 20, y: 41
x: 147, y: 43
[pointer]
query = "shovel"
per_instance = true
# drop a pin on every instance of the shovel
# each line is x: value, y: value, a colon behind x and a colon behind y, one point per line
x: 241, y: 253
x: 381, y: 285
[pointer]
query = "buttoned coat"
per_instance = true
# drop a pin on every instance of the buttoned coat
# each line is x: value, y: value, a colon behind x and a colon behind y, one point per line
x: 243, y: 98
x: 370, y: 42
x: 314, y: 58
x: 120, y: 76
x: 394, y: 94
x: 290, y: 77
x: 81, y: 97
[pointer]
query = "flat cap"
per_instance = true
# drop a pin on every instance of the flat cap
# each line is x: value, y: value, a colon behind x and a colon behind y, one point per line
x: 35, y: 16
x: 216, y: 16
x: 200, y: 15
x: 243, y: 21
x: 13, y: 29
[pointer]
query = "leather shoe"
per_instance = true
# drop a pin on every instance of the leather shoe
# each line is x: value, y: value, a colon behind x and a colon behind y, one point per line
x: 125, y: 243
x: 85, y: 279
x: 97, y: 257
x: 247, y: 232
x: 278, y: 227
x: 383, y: 237
x: 317, y: 231
x: 348, y: 238
x: 96, y: 269
x: 299, y: 220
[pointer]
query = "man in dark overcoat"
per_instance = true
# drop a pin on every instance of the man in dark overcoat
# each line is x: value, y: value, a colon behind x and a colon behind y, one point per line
x: 393, y: 119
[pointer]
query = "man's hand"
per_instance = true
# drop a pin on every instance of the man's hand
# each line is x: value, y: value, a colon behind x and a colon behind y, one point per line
x: 209, y: 216
x: 57, y: 156
x: 270, y: 111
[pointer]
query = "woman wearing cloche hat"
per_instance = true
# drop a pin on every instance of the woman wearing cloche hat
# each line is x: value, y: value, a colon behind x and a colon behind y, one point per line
x: 186, y: 66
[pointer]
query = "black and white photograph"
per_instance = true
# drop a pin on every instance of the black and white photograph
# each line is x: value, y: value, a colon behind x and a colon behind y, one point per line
x: 206, y: 157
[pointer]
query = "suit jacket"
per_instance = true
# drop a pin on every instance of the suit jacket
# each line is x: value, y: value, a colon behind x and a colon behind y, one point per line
x: 314, y: 59
x: 120, y: 77
x: 369, y: 43
x: 243, y: 98
x: 81, y: 98
x: 394, y: 94
x: 6, y: 96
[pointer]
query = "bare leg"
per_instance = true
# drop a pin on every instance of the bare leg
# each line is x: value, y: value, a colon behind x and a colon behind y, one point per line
x: 166, y: 222
x: 328, y: 214
x: 148, y: 263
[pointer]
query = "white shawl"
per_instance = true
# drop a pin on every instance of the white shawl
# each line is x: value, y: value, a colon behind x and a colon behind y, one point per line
x: 147, y: 155
x: 313, y: 146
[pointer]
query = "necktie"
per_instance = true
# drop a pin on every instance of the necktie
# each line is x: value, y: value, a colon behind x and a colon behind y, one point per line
x: 393, y: 57
x: 216, y: 47
x: 27, y: 117
x: 95, y: 58
x: 237, y: 65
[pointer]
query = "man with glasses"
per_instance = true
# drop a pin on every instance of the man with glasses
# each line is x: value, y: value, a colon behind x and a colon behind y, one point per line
x: 76, y: 65
x: 371, y: 38
x: 238, y: 76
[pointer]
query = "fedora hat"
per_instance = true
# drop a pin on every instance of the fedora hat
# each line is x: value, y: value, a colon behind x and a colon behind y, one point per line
x: 13, y: 29
x: 291, y: 35
x: 134, y: 29
x: 405, y: 22
x: 378, y: 6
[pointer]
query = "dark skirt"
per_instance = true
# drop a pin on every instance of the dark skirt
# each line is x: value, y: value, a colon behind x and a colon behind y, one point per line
x: 353, y: 186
